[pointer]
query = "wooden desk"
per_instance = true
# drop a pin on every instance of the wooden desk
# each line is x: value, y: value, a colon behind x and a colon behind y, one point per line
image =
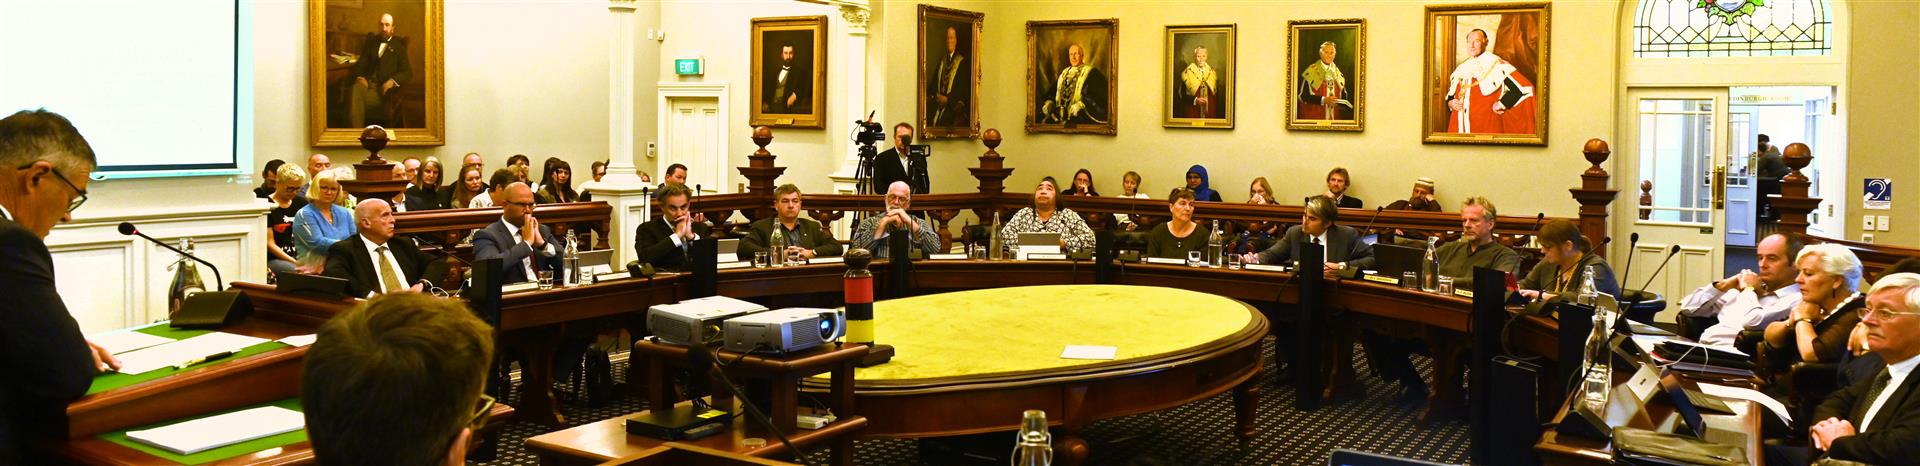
x: 95, y: 450
x: 1659, y: 414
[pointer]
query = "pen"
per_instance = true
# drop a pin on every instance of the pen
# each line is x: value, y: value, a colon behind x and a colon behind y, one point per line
x: 198, y: 360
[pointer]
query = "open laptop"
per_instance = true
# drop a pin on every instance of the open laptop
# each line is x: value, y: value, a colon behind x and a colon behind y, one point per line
x: 596, y: 261
x: 729, y: 249
x: 1038, y: 243
x: 1393, y: 260
x: 1688, y: 405
x: 1345, y: 457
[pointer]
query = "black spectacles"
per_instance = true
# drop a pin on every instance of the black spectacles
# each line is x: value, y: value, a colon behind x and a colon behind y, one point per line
x: 80, y: 195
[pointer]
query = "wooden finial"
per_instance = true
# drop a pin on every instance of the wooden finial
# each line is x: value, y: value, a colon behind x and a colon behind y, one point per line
x: 1597, y: 152
x: 992, y: 139
x: 761, y: 137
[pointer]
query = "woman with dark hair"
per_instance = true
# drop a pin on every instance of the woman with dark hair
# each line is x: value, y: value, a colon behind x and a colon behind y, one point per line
x: 426, y: 193
x: 556, y: 185
x: 1046, y: 216
x: 269, y: 179
x: 1082, y: 184
x: 520, y: 164
x: 466, y: 187
x: 1558, y: 273
x: 1181, y: 235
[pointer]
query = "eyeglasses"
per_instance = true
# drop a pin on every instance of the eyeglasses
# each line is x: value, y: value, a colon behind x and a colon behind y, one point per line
x: 80, y: 195
x: 480, y: 412
x: 1885, y: 313
x: 523, y: 205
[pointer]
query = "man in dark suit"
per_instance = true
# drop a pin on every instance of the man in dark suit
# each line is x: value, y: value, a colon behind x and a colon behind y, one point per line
x: 1344, y: 249
x: 382, y: 68
x: 805, y: 237
x: 950, y: 88
x: 522, y: 244
x: 44, y: 164
x: 1878, y: 421
x: 373, y: 264
x: 663, y: 240
x: 897, y: 164
x: 787, y: 88
x: 1337, y: 183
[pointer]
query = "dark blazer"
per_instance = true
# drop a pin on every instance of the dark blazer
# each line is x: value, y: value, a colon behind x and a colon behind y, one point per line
x: 494, y: 242
x: 1894, y: 436
x: 810, y: 235
x: 1343, y: 245
x: 799, y: 83
x: 654, y: 243
x: 42, y: 352
x: 426, y: 198
x: 348, y: 259
x: 887, y: 169
x: 1346, y: 202
x: 379, y: 68
x: 958, y: 91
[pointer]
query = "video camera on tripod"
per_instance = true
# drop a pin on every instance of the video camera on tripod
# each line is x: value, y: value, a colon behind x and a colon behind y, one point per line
x: 867, y: 133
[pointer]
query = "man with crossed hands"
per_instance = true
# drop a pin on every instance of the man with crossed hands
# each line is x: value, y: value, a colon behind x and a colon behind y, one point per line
x: 663, y: 240
x: 872, y: 232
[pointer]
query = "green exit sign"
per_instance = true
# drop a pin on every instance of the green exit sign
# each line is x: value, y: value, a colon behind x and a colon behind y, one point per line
x: 687, y: 66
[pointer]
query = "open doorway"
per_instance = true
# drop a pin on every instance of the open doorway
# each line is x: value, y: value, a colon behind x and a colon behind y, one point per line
x: 1781, y: 115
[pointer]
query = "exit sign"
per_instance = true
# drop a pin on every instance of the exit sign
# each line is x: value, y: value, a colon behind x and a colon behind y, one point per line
x: 687, y: 66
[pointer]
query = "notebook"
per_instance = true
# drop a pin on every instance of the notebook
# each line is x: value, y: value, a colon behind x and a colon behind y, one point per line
x: 212, y: 432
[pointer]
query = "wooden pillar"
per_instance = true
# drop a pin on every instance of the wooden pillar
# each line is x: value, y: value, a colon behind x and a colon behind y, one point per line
x: 992, y: 175
x: 1593, y: 194
x: 373, y: 177
x: 1794, y: 201
x: 761, y: 173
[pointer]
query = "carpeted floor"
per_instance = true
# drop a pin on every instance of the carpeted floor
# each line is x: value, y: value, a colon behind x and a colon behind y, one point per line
x: 1195, y: 434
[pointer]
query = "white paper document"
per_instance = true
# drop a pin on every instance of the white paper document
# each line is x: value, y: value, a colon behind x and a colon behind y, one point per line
x: 827, y: 260
x: 208, y: 433
x: 124, y: 341
x: 1723, y: 391
x: 1265, y: 268
x: 1089, y: 352
x: 947, y: 257
x: 300, y: 340
x: 1165, y: 260
x: 146, y: 360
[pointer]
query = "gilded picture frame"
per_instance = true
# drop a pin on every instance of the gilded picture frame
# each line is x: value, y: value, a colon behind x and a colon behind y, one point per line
x: 804, y: 88
x: 360, y: 73
x: 1326, y: 75
x: 1201, y: 84
x: 949, y: 78
x: 1051, y: 49
x: 1486, y: 75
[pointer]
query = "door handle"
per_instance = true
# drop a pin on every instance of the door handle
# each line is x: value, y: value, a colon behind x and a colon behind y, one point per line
x: 1720, y: 186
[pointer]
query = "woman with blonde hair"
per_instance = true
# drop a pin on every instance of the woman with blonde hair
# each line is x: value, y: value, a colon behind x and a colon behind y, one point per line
x: 322, y: 222
x: 1816, y: 329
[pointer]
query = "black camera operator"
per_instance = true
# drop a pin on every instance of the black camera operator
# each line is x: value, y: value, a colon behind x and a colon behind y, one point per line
x: 904, y: 162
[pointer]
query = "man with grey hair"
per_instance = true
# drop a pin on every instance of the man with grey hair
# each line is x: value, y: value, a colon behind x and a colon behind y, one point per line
x: 372, y: 263
x: 873, y: 231
x: 44, y: 163
x: 1878, y: 421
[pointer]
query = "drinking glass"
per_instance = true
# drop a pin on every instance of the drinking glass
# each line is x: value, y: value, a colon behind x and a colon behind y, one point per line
x: 760, y: 260
x: 1446, y: 284
x: 1233, y: 262
x: 546, y: 279
x: 1410, y: 280
x: 1193, y: 259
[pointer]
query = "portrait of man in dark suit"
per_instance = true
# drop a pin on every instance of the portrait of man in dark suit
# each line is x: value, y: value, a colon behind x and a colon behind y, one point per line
x: 949, y: 72
x: 375, y: 63
x: 789, y: 68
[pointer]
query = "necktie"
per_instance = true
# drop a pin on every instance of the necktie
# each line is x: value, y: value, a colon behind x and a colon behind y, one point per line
x: 1873, y: 394
x: 388, y: 276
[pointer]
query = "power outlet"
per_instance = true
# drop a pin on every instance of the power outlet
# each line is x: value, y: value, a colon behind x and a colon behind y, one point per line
x: 1884, y: 223
x: 1866, y: 223
x: 1866, y: 237
x: 652, y: 150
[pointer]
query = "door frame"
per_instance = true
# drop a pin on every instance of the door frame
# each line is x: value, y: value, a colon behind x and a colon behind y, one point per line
x: 1649, y: 254
x: 668, y: 92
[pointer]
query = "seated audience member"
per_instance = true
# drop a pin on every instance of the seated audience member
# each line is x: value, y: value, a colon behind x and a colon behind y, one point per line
x: 1129, y: 188
x: 426, y: 192
x: 316, y: 163
x: 397, y: 380
x: 1082, y: 184
x: 1319, y: 225
x: 399, y: 199
x: 874, y: 231
x: 1476, y: 246
x: 1256, y: 236
x: 805, y: 238
x: 1337, y: 183
x: 676, y: 174
x: 270, y: 179
x: 496, y: 189
x: 372, y: 263
x: 519, y: 165
x: 599, y: 170
x: 518, y: 239
x: 1421, y: 199
x: 1045, y: 217
x: 1716, y: 313
x: 282, y: 256
x: 1197, y: 182
x: 412, y: 167
x: 1830, y: 303
x: 1877, y: 421
x: 1558, y: 274
x: 323, y: 222
x: 663, y: 240
x: 1175, y: 238
x: 469, y: 185
x: 473, y: 158
x: 556, y: 184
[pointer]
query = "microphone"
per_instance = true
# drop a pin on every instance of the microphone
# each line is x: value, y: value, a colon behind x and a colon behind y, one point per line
x: 1663, y: 266
x: 1376, y: 217
x: 1633, y: 241
x: 126, y: 228
x: 443, y: 248
x: 1591, y: 250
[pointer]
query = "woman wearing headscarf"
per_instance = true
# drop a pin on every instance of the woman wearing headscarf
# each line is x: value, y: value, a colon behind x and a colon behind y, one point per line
x: 1197, y: 182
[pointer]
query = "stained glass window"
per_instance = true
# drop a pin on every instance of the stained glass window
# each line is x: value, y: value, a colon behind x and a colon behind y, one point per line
x: 1732, y: 28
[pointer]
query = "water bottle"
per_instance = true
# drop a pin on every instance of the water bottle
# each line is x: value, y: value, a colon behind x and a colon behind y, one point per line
x: 1033, y: 446
x: 1216, y: 245
x: 993, y: 238
x: 1589, y: 293
x: 186, y: 279
x: 777, y: 241
x: 1430, y: 267
x: 1598, y: 380
x: 571, y: 261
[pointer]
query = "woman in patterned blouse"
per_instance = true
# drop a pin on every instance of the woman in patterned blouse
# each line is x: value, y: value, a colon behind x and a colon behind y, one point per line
x: 1045, y: 216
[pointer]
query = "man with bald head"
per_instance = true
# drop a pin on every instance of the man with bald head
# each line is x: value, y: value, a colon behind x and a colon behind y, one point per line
x: 872, y: 232
x: 316, y: 163
x: 521, y: 243
x: 372, y: 262
x: 379, y: 75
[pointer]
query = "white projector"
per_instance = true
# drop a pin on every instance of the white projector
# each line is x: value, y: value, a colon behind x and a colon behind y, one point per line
x: 696, y: 321
x: 784, y: 331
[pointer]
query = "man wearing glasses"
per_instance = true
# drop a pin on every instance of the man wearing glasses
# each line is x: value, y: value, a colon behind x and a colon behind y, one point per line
x: 44, y: 163
x: 397, y: 380
x: 1878, y: 421
x: 521, y: 243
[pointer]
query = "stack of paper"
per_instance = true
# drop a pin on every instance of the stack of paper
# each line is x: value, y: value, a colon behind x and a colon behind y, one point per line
x: 212, y: 432
x: 124, y: 341
x: 170, y: 354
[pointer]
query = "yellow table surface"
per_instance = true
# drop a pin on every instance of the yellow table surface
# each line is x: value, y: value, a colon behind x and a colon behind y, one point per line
x: 1020, y: 329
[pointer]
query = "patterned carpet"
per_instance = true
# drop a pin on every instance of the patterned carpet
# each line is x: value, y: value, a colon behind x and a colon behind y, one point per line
x: 1195, y: 434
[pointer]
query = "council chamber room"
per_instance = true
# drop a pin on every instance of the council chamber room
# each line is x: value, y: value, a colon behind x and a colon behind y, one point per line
x: 955, y: 233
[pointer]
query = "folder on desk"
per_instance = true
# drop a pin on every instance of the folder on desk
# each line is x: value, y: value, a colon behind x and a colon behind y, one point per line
x: 212, y: 432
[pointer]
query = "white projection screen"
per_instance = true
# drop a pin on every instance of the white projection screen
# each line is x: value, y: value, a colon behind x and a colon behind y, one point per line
x: 152, y: 85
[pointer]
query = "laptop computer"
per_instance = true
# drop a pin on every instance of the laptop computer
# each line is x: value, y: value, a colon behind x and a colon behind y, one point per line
x: 311, y: 286
x: 596, y: 261
x: 1345, y: 457
x: 729, y: 249
x: 1393, y: 260
x: 1038, y: 243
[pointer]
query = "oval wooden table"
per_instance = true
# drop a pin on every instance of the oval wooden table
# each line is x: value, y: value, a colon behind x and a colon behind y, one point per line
x: 970, y: 362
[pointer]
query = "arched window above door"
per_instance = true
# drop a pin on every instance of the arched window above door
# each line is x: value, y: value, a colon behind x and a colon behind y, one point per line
x: 1732, y: 28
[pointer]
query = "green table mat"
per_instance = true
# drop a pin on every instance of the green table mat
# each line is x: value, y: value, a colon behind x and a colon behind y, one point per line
x: 216, y: 454
x: 111, y: 380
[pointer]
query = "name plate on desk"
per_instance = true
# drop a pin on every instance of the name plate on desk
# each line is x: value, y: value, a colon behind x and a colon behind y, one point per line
x: 518, y: 287
x: 1041, y: 256
x: 1265, y: 268
x: 1463, y: 293
x: 607, y: 277
x: 948, y: 257
x: 827, y: 260
x: 733, y: 265
x: 1381, y: 279
x: 1165, y: 261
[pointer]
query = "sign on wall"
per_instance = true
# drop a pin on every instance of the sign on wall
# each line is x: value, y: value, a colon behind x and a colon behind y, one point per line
x: 1879, y: 194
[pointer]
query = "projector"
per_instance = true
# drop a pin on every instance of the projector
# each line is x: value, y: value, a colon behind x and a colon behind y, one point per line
x: 784, y: 331
x: 696, y: 321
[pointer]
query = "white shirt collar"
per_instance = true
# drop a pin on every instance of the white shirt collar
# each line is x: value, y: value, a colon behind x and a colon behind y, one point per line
x: 1900, y: 370
x: 512, y: 230
x: 6, y: 213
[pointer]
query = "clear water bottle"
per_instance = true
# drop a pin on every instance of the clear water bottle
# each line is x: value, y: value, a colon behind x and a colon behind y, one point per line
x: 1430, y: 266
x: 186, y: 279
x: 1589, y: 293
x: 1033, y: 446
x: 1597, y: 383
x: 777, y: 243
x: 995, y: 246
x: 1216, y: 245
x: 571, y: 261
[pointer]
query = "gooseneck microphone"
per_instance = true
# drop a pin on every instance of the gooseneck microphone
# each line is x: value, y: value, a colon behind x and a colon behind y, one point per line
x: 1663, y: 266
x: 126, y: 228
x: 1376, y: 217
x: 1633, y: 242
